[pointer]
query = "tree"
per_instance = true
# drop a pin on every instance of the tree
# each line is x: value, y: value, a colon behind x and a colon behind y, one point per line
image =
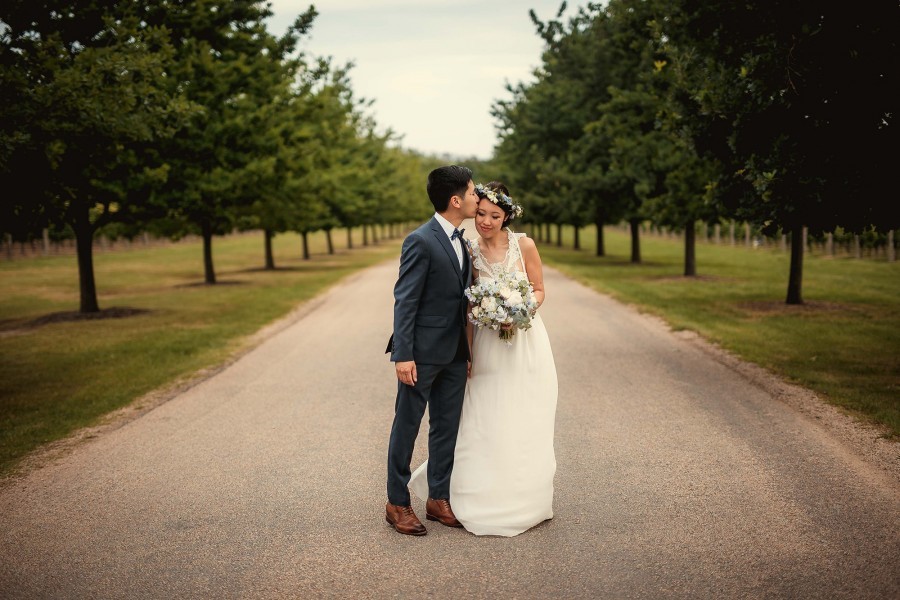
x: 233, y: 68
x: 83, y: 93
x: 797, y: 102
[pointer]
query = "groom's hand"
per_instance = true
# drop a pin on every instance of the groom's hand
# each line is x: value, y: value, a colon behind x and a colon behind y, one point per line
x: 406, y: 372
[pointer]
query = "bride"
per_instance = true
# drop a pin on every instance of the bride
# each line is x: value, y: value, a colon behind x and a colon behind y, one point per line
x: 502, y: 479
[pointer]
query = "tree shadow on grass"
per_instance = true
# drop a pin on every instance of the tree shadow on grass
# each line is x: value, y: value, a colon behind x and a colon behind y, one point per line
x: 277, y: 269
x: 309, y: 267
x: 690, y: 278
x: 11, y: 327
x: 580, y: 258
x: 765, y: 308
x: 221, y: 282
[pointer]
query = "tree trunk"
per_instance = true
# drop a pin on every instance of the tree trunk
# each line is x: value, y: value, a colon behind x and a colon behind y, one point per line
x: 559, y: 235
x: 747, y: 235
x: 795, y: 280
x: 601, y: 243
x: 576, y: 243
x: 690, y: 249
x: 350, y: 238
x: 270, y: 258
x: 635, y: 225
x: 208, y: 270
x: 45, y: 234
x: 731, y: 233
x: 829, y: 244
x: 375, y: 234
x: 305, y: 237
x: 365, y: 235
x: 857, y: 248
x: 84, y: 245
x: 891, y: 251
x: 717, y: 233
x: 329, y: 240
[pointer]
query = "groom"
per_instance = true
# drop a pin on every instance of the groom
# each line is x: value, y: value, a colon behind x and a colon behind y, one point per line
x: 429, y: 348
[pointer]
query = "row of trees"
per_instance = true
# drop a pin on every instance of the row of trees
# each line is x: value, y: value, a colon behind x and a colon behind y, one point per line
x: 183, y: 116
x: 678, y: 111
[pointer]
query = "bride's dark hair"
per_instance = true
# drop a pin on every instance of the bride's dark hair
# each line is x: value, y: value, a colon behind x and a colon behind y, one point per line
x: 498, y: 186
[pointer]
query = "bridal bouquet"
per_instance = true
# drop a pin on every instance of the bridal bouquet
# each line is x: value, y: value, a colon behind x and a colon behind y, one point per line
x: 506, y: 300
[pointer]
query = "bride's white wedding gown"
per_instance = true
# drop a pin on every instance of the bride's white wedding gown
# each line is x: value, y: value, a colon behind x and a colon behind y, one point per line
x: 502, y: 480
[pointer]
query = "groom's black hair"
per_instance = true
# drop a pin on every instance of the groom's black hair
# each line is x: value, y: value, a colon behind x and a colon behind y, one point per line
x: 446, y: 182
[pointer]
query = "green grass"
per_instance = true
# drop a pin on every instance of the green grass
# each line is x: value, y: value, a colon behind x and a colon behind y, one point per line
x: 60, y: 376
x: 844, y: 343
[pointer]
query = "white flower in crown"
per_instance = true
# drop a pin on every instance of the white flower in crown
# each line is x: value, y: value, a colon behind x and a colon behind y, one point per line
x: 500, y: 199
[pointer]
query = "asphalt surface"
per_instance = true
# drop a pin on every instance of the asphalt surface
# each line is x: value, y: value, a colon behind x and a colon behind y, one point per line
x: 677, y: 478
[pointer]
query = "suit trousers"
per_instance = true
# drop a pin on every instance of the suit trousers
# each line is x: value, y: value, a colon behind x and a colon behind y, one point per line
x: 441, y: 388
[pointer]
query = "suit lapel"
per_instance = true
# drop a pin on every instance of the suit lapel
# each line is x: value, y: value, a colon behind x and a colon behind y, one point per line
x: 444, y: 241
x: 467, y: 265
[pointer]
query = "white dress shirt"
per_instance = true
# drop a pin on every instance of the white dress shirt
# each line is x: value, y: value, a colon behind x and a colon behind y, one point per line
x: 448, y: 229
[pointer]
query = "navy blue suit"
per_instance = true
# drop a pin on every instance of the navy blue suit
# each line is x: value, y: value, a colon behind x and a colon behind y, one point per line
x: 429, y: 328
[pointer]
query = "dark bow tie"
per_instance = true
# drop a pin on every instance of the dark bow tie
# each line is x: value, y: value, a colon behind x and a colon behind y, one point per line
x: 457, y: 233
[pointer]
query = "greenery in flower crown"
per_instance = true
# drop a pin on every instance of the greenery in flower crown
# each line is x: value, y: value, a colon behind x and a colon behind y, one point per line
x: 500, y: 199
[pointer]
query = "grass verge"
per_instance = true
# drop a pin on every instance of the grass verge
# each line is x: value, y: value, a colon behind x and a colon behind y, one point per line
x: 57, y: 376
x: 844, y: 343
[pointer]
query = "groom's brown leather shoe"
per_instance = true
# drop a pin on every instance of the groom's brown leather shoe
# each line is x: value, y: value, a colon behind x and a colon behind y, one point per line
x: 440, y: 511
x: 404, y: 520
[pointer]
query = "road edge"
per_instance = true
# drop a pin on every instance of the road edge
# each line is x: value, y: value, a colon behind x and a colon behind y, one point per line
x: 51, y: 452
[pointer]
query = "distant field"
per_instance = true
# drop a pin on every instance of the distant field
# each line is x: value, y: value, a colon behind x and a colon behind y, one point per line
x: 844, y: 343
x: 61, y: 375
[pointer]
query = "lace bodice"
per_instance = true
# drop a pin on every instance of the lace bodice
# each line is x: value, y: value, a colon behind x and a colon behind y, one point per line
x: 511, y: 263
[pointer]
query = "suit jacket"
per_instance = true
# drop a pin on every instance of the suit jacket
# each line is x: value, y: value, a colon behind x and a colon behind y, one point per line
x: 429, y: 304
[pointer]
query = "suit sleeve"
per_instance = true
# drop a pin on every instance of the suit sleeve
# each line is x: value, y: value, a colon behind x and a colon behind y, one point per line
x: 414, y: 265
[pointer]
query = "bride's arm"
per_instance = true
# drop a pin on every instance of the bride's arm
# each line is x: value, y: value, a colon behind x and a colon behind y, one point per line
x: 534, y: 267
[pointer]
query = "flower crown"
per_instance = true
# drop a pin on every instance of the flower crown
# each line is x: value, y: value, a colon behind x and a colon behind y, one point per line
x: 500, y: 199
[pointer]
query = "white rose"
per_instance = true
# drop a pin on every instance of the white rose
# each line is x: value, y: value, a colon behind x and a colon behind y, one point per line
x: 489, y: 304
x: 505, y: 292
x: 476, y: 310
x: 515, y: 299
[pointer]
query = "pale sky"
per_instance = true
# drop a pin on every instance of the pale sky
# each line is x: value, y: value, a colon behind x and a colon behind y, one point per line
x: 433, y: 67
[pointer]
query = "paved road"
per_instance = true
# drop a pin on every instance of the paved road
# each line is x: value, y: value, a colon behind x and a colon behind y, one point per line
x: 677, y: 478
